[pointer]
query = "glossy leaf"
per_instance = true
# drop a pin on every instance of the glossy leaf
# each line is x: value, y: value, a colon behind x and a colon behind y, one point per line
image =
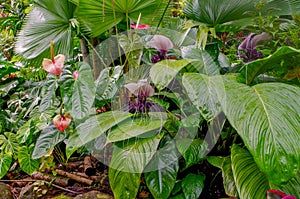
x: 292, y: 187
x: 267, y: 117
x: 47, y: 140
x: 134, y: 128
x: 260, y: 66
x: 201, y: 89
x: 27, y: 164
x: 163, y: 72
x: 48, y: 92
x: 250, y: 181
x: 99, y: 16
x: 202, y: 60
x: 81, y: 95
x: 5, y: 161
x: 192, y: 150
x: 128, y: 162
x: 94, y: 127
x: 161, y: 172
x: 192, y: 185
x: 48, y: 20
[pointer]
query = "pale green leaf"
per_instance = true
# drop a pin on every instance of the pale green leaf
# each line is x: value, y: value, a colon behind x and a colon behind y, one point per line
x: 27, y: 164
x: 5, y: 161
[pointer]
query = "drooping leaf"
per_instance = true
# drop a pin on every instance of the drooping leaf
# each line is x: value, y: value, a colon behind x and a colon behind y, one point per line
x: 5, y: 161
x: 48, y: 92
x: 99, y: 16
x: 27, y: 164
x: 201, y: 89
x: 161, y: 172
x: 133, y: 128
x: 267, y: 117
x: 192, y: 185
x: 48, y: 20
x: 47, y: 140
x: 260, y: 66
x: 128, y: 162
x: 94, y: 127
x: 250, y: 181
x: 192, y: 150
x: 228, y: 179
x: 81, y: 95
x: 202, y: 60
x: 163, y: 72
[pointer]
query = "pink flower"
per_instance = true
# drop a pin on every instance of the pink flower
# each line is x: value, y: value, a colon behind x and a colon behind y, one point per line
x: 162, y: 44
x: 276, y: 194
x: 140, y: 26
x: 55, y: 65
x: 75, y: 74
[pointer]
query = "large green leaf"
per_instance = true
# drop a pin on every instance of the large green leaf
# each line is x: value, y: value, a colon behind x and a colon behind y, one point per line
x: 48, y: 92
x: 250, y: 181
x: 27, y: 164
x: 202, y: 60
x: 128, y: 162
x: 5, y: 161
x: 192, y: 150
x: 215, y: 12
x: 133, y: 128
x: 267, y: 117
x: 192, y: 185
x: 47, y: 140
x: 80, y: 97
x: 251, y: 70
x: 163, y: 72
x: 48, y: 20
x: 202, y: 91
x: 95, y: 126
x: 98, y: 16
x: 292, y: 187
x: 161, y: 172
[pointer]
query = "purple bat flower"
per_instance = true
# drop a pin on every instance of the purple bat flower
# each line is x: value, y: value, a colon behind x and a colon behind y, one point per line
x: 141, y: 91
x: 162, y: 44
x: 248, y: 46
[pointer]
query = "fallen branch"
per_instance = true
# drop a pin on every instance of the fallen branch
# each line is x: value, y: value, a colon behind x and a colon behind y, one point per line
x: 74, y: 177
x: 54, y: 185
x: 49, y: 178
x: 88, y: 167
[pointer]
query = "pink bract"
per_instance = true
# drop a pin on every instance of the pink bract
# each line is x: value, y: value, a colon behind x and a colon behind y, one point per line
x: 54, y: 66
x: 140, y: 26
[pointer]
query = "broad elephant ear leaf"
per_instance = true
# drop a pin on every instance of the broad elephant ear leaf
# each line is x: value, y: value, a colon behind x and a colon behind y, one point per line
x: 250, y: 181
x: 267, y: 117
x: 99, y: 16
x: 48, y: 20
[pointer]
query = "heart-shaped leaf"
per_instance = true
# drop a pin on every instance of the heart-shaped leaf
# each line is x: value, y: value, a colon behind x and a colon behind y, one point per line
x: 48, y: 92
x: 267, y: 117
x: 27, y: 164
x: 128, y: 162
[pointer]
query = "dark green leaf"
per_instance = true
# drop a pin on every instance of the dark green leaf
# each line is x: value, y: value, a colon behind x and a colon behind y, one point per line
x: 47, y: 140
x: 192, y: 150
x: 48, y: 92
x: 192, y: 185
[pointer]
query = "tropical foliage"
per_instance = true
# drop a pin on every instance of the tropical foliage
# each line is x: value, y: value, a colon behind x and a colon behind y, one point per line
x: 165, y: 99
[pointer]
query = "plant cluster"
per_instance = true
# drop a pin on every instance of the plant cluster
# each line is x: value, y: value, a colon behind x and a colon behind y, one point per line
x: 216, y: 84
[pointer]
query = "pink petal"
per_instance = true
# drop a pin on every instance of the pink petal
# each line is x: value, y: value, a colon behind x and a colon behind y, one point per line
x: 55, y: 67
x: 75, y: 74
x: 140, y: 26
x: 160, y: 42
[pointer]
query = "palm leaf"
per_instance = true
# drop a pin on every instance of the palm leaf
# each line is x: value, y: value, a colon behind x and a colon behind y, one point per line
x: 97, y: 16
x: 48, y: 20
